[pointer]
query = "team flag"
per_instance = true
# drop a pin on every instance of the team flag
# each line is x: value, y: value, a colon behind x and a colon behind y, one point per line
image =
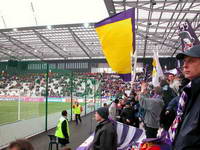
x: 117, y: 38
x: 157, y: 70
x: 127, y: 137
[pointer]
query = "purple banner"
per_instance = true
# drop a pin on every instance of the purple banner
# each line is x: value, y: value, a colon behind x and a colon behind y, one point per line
x: 127, y: 136
x: 130, y: 13
x: 126, y: 77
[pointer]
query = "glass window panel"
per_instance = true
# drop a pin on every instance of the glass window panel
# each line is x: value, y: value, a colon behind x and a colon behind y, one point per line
x: 61, y: 65
x: 52, y: 66
x: 85, y: 65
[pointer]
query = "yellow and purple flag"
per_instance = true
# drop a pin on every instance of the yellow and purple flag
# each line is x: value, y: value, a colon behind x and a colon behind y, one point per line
x: 117, y: 38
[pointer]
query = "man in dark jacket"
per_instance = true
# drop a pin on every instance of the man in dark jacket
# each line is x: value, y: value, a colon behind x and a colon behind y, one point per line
x: 168, y: 93
x: 187, y: 134
x: 127, y: 114
x: 105, y: 137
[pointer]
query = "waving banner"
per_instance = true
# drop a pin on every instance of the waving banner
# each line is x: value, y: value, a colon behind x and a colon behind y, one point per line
x: 117, y: 38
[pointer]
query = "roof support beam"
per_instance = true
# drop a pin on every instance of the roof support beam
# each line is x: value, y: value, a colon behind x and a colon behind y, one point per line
x: 162, y: 20
x: 20, y: 45
x: 166, y: 5
x: 197, y: 26
x: 134, y: 4
x: 110, y: 7
x: 145, y: 48
x: 170, y: 10
x: 160, y: 17
x: 174, y: 23
x: 10, y: 56
x: 178, y: 22
x: 83, y: 44
x: 77, y: 40
x: 152, y: 26
x: 46, y: 41
x: 156, y: 41
x: 196, y: 21
x: 179, y: 38
x: 124, y: 4
x: 137, y: 16
x: 155, y: 36
x: 159, y: 1
x: 147, y: 28
x: 3, y: 47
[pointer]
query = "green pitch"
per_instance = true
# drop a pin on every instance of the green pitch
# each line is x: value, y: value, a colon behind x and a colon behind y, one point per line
x: 9, y: 110
x: 28, y: 110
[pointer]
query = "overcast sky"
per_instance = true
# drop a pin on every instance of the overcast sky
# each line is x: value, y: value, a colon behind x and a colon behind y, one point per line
x: 19, y: 13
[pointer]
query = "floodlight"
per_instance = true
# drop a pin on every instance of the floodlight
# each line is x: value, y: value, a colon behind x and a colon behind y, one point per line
x: 49, y: 27
x: 15, y: 29
x: 86, y: 25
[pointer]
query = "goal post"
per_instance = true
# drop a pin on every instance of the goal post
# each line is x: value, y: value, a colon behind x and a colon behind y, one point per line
x: 12, y: 95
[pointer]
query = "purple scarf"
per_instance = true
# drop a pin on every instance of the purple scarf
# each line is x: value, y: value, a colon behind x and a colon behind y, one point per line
x: 181, y: 107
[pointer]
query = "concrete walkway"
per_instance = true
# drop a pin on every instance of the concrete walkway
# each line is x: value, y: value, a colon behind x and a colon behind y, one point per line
x: 79, y: 133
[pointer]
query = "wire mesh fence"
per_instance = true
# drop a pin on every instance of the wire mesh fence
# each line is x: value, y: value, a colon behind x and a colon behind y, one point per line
x: 29, y: 90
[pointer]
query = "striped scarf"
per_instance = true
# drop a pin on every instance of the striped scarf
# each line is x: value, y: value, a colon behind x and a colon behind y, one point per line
x: 181, y: 107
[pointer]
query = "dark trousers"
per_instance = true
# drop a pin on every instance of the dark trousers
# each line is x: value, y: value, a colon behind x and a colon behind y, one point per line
x: 63, y: 142
x: 151, y: 132
x: 136, y: 122
x: 78, y: 117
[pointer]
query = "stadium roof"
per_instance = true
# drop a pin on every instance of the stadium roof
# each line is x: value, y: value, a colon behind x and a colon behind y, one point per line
x: 46, y: 30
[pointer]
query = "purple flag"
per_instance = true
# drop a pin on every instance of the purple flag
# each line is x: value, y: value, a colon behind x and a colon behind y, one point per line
x: 126, y: 135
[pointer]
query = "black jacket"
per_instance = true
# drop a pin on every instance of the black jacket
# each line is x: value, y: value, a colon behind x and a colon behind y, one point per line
x: 64, y: 129
x: 127, y: 113
x: 188, y: 132
x: 168, y: 94
x: 105, y: 137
